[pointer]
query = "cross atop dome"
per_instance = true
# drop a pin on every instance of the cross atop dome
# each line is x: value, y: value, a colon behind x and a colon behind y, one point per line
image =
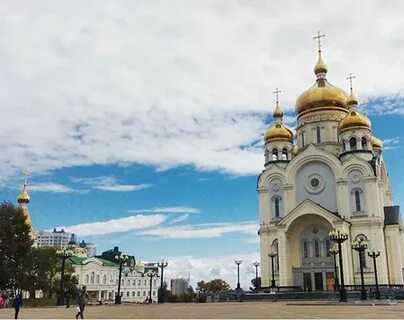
x: 350, y: 77
x: 318, y: 37
x: 278, y: 114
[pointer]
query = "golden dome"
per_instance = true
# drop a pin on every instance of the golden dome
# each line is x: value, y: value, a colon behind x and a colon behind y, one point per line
x: 376, y: 143
x: 323, y: 95
x: 352, y: 100
x: 295, y: 150
x: 278, y: 113
x: 354, y: 120
x: 23, y: 197
x: 320, y: 66
x: 278, y: 132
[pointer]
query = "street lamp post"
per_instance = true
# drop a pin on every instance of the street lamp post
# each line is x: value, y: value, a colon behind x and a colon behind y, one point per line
x: 151, y: 275
x: 238, y: 262
x: 360, y: 246
x: 63, y: 254
x: 121, y: 259
x: 161, y: 265
x: 374, y: 254
x: 334, y: 251
x: 272, y: 255
x: 256, y: 265
x: 339, y: 237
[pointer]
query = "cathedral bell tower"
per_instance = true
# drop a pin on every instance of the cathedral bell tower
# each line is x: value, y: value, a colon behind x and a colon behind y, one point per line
x: 278, y: 139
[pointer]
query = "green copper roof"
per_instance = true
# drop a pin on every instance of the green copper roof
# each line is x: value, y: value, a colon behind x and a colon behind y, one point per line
x: 79, y: 261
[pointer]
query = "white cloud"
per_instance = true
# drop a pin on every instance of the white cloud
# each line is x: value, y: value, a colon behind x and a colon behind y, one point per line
x: 135, y: 222
x: 208, y: 268
x: 205, y: 230
x: 180, y: 219
x: 178, y: 209
x: 108, y: 183
x: 53, y: 188
x: 175, y: 83
x: 392, y: 143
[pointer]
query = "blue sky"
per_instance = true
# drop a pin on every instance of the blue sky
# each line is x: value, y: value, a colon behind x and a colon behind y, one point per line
x: 145, y: 119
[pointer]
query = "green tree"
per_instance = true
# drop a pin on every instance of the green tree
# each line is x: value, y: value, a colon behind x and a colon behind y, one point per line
x: 256, y: 284
x: 15, y: 247
x: 163, y: 293
x: 213, y: 286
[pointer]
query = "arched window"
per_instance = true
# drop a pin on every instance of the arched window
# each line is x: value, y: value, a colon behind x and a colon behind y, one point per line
x: 364, y: 143
x: 127, y: 293
x: 327, y: 247
x: 305, y: 249
x: 128, y: 282
x: 97, y: 281
x: 352, y: 143
x: 87, y: 278
x: 357, y: 201
x: 138, y: 283
x: 277, y: 199
x: 133, y: 293
x: 284, y: 154
x: 145, y: 282
x: 318, y: 132
x: 343, y: 145
x: 104, y: 279
x: 138, y: 293
x: 144, y: 293
x: 122, y: 282
x: 134, y: 283
x: 92, y: 277
x: 316, y: 249
x: 274, y: 154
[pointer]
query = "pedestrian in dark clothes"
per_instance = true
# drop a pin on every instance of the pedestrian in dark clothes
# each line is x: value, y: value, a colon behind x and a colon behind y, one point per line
x: 17, y: 304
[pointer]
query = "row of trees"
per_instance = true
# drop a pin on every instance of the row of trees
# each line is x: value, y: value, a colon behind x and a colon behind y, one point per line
x: 23, y: 267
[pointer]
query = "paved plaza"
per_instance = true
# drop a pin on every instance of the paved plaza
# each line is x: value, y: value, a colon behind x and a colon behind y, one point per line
x: 217, y: 310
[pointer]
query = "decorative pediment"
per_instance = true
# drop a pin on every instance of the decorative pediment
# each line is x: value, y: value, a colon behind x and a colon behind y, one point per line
x: 307, y: 207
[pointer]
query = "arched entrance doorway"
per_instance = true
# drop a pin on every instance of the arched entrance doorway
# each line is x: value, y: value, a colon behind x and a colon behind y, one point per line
x: 312, y: 264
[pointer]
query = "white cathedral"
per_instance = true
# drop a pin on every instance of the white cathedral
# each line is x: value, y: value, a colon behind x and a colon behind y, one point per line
x: 330, y: 175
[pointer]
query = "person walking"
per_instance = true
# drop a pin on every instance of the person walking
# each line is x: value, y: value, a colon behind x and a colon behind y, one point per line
x: 17, y: 304
x: 82, y: 298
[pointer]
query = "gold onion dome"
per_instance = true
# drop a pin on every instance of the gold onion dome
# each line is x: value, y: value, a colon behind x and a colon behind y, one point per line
x: 278, y: 113
x: 352, y: 100
x: 23, y: 197
x: 354, y: 120
x: 322, y: 95
x: 376, y: 143
x: 278, y: 132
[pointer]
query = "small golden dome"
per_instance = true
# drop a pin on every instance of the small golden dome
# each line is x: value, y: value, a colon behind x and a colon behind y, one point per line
x: 23, y: 197
x: 320, y: 66
x: 376, y: 143
x: 352, y: 100
x: 278, y: 113
x: 354, y: 120
x: 278, y: 132
x: 295, y: 150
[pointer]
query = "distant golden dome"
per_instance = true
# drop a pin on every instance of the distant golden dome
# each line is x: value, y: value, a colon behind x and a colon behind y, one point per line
x: 320, y: 66
x: 354, y: 120
x: 376, y: 143
x: 295, y: 150
x: 278, y: 132
x: 323, y: 95
x: 278, y: 113
x: 23, y: 197
x: 352, y: 100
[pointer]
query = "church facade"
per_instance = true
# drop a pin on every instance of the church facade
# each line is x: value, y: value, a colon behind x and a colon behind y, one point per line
x: 329, y: 175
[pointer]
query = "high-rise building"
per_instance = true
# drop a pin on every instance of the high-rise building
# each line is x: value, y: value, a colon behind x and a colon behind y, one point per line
x: 56, y: 238
x: 179, y: 286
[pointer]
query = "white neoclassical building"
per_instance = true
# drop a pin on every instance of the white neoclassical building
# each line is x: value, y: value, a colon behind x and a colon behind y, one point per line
x: 329, y: 175
x: 100, y: 276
